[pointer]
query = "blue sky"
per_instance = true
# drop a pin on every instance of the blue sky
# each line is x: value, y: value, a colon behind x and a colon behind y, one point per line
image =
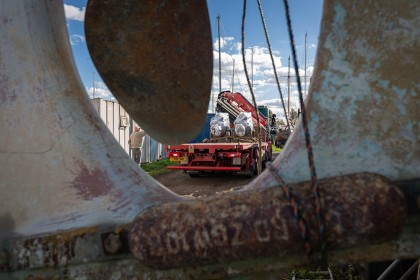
x: 305, y: 16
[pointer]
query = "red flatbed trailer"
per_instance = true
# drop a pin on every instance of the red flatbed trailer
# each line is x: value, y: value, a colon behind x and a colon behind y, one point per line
x: 237, y: 157
x: 227, y: 149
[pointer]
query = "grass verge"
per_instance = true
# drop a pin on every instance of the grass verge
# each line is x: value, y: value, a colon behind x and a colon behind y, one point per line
x: 275, y: 149
x: 158, y: 167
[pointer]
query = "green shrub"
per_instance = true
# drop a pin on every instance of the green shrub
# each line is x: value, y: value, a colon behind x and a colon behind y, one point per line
x: 158, y: 167
x: 275, y: 149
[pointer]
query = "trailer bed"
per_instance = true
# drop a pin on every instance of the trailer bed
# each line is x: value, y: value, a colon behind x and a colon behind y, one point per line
x: 237, y: 157
x: 212, y: 147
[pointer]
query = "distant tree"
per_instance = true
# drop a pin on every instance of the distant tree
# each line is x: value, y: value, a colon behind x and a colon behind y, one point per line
x: 281, y: 123
x: 293, y: 117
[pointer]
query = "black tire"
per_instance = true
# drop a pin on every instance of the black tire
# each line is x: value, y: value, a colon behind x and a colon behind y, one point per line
x: 253, y: 169
x: 194, y: 175
x: 250, y: 172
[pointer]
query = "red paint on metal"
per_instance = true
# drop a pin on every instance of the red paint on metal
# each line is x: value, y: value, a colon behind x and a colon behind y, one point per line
x: 238, y: 100
x: 212, y: 147
x: 91, y: 183
x: 210, y: 168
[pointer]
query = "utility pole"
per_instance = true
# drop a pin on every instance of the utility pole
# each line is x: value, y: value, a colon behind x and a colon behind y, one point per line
x: 212, y: 97
x: 306, y: 35
x: 93, y: 84
x: 233, y: 74
x: 220, y: 60
x: 252, y: 69
x: 288, y: 88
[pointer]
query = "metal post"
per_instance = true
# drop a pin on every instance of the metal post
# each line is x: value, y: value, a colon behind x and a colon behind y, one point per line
x: 220, y: 60
x: 233, y: 74
x: 93, y: 84
x: 306, y: 35
x: 410, y: 271
x: 418, y: 271
x: 288, y: 88
x: 252, y: 69
x: 389, y: 269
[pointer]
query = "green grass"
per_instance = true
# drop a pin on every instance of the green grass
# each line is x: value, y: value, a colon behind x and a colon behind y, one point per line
x: 157, y: 167
x: 275, y: 149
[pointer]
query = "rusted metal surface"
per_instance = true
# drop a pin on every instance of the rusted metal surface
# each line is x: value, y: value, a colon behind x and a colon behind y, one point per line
x: 90, y: 261
x: 246, y: 225
x: 364, y: 96
x: 156, y: 57
x: 82, y: 254
x: 60, y: 168
x: 129, y: 268
x: 55, y: 251
x: 104, y: 252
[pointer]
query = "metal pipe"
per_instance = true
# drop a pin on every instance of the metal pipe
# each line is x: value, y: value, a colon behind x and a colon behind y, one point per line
x: 288, y: 87
x: 410, y: 271
x: 384, y: 275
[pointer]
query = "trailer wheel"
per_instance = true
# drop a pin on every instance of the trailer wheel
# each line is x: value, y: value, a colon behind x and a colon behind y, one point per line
x: 270, y: 155
x: 251, y: 171
x: 253, y: 168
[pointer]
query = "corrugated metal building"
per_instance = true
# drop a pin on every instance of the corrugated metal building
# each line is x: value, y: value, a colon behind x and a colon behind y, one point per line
x: 121, y: 126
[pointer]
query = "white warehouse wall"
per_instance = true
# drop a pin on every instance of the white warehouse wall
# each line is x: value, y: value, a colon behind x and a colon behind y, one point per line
x: 112, y: 113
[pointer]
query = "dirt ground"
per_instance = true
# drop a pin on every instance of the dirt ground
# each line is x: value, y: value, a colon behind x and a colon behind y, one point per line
x: 207, y: 185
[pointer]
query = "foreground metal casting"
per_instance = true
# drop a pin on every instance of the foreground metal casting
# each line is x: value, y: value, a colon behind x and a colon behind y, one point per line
x: 243, y: 225
x: 364, y: 96
x: 60, y: 167
x: 72, y: 204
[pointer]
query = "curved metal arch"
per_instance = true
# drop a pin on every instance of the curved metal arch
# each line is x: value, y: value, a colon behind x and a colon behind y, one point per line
x: 60, y: 169
x: 364, y: 96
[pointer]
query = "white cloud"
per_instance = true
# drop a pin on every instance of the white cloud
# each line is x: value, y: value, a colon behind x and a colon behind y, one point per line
x: 258, y: 57
x: 224, y: 42
x: 74, y: 13
x: 101, y: 91
x: 76, y: 39
x: 264, y: 83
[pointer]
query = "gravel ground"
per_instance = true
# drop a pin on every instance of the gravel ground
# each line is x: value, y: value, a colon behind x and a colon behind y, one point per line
x: 207, y: 185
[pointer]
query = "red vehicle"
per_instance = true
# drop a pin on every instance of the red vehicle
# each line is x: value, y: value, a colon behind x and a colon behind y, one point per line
x: 232, y: 145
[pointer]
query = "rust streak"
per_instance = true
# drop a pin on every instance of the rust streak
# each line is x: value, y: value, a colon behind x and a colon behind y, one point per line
x: 91, y: 183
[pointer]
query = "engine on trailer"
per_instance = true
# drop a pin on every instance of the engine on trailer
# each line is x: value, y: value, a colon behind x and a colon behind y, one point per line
x: 220, y: 125
x: 243, y: 125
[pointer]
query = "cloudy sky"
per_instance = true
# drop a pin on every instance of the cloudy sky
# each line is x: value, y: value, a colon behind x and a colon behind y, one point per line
x: 305, y: 16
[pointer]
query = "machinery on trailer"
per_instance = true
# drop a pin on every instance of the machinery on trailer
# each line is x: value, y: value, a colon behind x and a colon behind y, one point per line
x: 233, y: 142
